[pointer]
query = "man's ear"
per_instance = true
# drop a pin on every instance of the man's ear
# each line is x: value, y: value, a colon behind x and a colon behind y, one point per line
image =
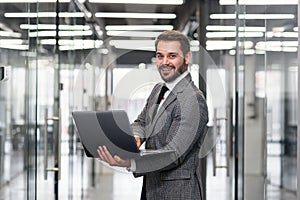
x: 188, y: 57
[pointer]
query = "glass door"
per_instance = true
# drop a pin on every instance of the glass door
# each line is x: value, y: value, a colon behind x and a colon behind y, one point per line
x: 43, y: 117
x: 52, y: 165
x: 56, y: 165
x: 13, y: 159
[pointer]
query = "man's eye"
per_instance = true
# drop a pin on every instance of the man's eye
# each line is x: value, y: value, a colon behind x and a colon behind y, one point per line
x: 172, y: 56
x: 159, y: 56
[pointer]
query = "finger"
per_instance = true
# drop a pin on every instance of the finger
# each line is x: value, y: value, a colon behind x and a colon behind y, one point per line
x: 111, y: 160
x: 118, y: 159
x: 104, y: 156
x: 100, y: 154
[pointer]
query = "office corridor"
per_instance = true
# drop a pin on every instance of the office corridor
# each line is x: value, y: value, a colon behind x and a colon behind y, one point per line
x: 118, y: 184
x: 61, y: 56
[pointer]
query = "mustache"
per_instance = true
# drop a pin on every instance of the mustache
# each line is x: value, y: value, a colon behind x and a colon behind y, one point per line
x: 162, y: 67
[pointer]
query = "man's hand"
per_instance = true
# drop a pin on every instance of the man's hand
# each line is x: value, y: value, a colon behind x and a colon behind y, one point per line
x: 105, y: 156
x: 138, y: 141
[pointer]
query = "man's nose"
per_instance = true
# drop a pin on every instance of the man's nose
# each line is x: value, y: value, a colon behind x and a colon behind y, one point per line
x: 165, y: 60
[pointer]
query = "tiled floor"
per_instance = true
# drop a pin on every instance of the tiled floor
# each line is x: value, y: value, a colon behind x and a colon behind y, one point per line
x: 119, y: 185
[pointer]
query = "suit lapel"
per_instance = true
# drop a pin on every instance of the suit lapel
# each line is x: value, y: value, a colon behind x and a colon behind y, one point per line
x: 171, y: 98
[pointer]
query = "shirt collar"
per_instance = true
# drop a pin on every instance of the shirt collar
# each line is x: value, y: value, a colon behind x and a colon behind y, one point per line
x: 172, y: 84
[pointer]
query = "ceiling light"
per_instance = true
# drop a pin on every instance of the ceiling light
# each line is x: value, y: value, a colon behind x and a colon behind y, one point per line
x: 233, y: 34
x: 10, y: 34
x: 73, y: 44
x: 14, y: 46
x: 133, y: 33
x: 53, y: 27
x: 282, y: 34
x: 70, y: 42
x: 69, y: 48
x: 135, y: 15
x: 74, y: 14
x: 138, y: 27
x: 44, y: 14
x: 267, y: 16
x: 270, y: 44
x: 60, y: 33
x: 286, y: 34
x: 11, y: 41
x: 226, y: 44
x: 30, y: 15
x: 147, y: 45
x: 252, y: 16
x: 259, y: 2
x: 195, y: 48
x: 290, y: 49
x: 194, y: 43
x: 233, y: 28
x: 78, y: 46
x: 262, y: 44
x: 269, y: 34
x: 257, y: 51
x: 246, y: 52
x: 165, y: 2
x: 290, y: 43
x: 286, y: 46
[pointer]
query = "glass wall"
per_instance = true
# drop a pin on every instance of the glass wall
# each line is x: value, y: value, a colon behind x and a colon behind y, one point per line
x: 256, y: 43
x: 12, y: 109
x: 270, y: 120
x: 44, y: 64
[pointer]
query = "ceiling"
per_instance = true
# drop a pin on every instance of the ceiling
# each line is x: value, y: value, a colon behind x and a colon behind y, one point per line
x: 191, y: 16
x: 184, y: 13
x: 14, y: 23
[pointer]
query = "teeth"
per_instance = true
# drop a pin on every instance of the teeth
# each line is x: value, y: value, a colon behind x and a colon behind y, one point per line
x: 166, y: 68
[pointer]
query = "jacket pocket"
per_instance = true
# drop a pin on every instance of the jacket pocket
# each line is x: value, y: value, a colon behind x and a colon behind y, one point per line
x: 175, y: 175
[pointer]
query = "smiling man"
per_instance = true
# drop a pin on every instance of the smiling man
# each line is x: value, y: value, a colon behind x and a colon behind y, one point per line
x: 174, y: 118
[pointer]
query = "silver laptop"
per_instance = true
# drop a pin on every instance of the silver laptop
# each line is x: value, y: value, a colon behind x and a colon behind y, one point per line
x: 112, y: 129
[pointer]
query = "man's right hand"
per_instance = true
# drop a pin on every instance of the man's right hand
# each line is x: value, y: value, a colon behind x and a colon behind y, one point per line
x: 105, y: 156
x: 138, y: 141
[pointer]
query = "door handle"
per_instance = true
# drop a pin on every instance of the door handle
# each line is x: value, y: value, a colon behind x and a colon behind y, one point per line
x: 58, y: 168
x: 215, y: 131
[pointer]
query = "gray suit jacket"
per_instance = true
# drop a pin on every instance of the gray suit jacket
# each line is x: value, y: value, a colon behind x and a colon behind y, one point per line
x: 180, y: 125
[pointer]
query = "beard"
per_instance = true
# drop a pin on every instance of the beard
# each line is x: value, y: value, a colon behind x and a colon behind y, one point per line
x: 177, y: 73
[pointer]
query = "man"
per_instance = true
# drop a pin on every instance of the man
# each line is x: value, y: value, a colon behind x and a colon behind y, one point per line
x: 173, y: 118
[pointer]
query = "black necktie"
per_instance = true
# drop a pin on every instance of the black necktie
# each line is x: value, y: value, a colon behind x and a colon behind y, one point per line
x: 163, y: 90
x: 160, y: 97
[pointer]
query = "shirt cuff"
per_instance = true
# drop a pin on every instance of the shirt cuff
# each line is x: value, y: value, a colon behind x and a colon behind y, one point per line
x: 132, y: 168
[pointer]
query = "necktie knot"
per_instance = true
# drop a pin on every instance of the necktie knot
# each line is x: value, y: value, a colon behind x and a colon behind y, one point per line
x: 163, y: 90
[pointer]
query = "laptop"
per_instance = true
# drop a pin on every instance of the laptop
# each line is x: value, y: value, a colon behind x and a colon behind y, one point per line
x: 112, y: 129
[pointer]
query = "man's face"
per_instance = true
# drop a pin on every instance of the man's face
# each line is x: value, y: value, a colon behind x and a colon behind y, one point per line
x: 170, y: 60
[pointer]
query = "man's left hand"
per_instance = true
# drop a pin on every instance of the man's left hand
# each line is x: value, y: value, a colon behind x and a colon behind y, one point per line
x: 105, y: 156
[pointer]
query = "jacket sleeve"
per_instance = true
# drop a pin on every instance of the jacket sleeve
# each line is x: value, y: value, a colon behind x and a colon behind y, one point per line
x: 184, y: 134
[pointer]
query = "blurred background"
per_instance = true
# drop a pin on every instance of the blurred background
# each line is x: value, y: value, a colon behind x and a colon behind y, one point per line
x: 64, y: 55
